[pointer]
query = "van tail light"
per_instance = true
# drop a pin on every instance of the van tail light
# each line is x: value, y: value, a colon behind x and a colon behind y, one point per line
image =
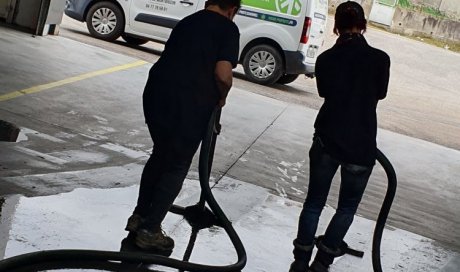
x: 305, y: 30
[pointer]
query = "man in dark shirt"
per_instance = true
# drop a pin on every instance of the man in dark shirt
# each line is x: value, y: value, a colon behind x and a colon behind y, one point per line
x: 192, y: 77
x: 351, y: 77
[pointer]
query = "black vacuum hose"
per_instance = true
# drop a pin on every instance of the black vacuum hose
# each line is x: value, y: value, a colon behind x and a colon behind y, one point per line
x: 384, y: 211
x: 204, y: 169
x: 73, y: 258
x: 58, y: 259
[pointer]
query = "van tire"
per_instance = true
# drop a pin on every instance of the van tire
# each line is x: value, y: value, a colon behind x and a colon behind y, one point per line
x: 286, y: 79
x: 108, y: 21
x: 133, y: 40
x: 258, y: 59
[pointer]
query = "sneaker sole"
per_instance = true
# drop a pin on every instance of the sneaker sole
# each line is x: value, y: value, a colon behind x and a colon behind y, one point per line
x: 145, y: 246
x: 129, y: 245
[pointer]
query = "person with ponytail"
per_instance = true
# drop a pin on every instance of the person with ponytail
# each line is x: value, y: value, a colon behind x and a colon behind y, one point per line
x: 351, y: 77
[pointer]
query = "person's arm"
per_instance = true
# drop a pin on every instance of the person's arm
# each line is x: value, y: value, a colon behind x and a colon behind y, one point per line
x: 319, y: 75
x: 227, y: 59
x: 224, y: 79
x: 384, y: 78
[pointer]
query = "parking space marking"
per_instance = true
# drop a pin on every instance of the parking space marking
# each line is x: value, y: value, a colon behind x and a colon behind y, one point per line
x: 58, y: 83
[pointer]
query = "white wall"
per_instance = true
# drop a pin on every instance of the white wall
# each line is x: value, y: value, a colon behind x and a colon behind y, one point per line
x: 451, y: 7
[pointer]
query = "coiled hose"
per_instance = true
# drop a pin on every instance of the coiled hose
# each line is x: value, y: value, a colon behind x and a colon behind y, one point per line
x: 119, y: 261
x: 110, y: 260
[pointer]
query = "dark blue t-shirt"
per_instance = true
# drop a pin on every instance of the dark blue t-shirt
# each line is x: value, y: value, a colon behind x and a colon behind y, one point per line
x: 181, y: 90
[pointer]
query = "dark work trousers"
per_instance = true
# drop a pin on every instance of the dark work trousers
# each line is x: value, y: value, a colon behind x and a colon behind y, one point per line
x: 164, y: 174
x: 354, y: 179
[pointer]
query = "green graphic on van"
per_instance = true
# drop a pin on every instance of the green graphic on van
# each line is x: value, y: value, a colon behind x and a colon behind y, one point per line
x: 267, y: 17
x: 290, y: 7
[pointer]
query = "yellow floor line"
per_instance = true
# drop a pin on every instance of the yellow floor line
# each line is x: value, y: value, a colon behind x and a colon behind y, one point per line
x: 50, y: 85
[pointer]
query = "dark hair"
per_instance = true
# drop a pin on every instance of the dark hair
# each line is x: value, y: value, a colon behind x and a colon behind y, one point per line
x: 349, y: 15
x: 224, y: 4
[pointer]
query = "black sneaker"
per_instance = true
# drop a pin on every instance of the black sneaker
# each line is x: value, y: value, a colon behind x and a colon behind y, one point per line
x: 298, y: 266
x: 134, y: 221
x: 317, y: 266
x: 154, y: 240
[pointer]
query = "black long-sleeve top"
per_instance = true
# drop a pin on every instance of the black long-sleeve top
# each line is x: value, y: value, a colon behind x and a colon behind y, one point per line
x: 351, y: 77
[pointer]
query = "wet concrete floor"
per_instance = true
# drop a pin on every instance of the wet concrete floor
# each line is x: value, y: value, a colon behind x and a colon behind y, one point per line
x: 95, y: 218
x: 89, y: 133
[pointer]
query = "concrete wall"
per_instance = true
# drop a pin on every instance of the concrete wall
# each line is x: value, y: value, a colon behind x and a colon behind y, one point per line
x: 427, y: 3
x: 366, y: 4
x: 416, y: 23
x: 451, y: 7
x: 413, y: 22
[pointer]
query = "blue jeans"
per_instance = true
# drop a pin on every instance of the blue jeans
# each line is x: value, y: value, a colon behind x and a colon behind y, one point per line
x: 354, y: 179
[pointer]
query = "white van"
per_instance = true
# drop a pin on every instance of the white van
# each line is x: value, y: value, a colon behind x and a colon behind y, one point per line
x: 280, y: 39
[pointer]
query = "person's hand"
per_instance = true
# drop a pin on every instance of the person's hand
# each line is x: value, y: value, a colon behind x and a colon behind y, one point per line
x: 221, y: 102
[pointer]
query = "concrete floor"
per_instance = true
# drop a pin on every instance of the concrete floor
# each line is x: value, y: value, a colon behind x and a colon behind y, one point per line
x: 423, y: 99
x: 90, y: 133
x: 265, y: 223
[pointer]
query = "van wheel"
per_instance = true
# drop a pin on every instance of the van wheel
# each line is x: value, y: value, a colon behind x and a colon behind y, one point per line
x: 263, y: 64
x: 133, y: 40
x: 285, y: 79
x: 105, y: 21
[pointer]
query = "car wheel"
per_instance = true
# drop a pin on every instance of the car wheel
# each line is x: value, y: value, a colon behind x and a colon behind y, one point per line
x: 105, y: 21
x: 285, y: 79
x: 133, y: 40
x: 263, y: 64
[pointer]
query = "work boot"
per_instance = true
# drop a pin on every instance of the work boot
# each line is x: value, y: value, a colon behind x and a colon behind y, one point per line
x: 302, y: 255
x: 155, y: 240
x: 134, y: 221
x: 324, y: 258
